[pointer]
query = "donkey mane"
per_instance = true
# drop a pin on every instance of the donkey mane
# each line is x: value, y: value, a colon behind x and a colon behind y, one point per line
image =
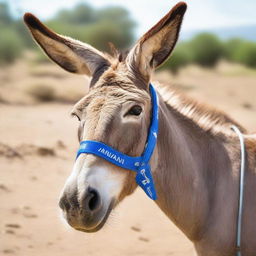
x: 206, y: 117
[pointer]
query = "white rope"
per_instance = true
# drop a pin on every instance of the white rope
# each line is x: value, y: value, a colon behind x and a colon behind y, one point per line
x: 241, y: 190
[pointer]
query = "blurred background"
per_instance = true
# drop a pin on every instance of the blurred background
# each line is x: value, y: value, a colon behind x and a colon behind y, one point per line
x: 214, y: 62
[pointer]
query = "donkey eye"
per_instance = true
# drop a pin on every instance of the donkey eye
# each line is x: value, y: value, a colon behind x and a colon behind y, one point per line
x: 135, y: 110
x: 73, y: 114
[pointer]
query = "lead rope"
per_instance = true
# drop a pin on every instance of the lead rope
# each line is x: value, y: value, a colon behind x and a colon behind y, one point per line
x: 241, y: 190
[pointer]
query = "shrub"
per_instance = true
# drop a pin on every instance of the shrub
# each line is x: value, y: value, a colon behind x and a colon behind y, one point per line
x: 42, y: 92
x: 181, y: 56
x: 245, y: 54
x: 241, y: 51
x: 109, y: 24
x: 80, y: 14
x: 207, y: 49
x: 100, y: 34
x: 10, y: 46
x: 230, y: 48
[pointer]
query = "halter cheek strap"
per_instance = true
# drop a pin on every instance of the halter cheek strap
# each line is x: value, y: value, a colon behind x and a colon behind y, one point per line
x: 138, y: 164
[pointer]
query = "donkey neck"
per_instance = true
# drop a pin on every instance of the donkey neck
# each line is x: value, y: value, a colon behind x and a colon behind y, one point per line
x: 184, y: 167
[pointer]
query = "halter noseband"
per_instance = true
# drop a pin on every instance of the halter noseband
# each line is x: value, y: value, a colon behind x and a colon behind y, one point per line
x: 139, y: 164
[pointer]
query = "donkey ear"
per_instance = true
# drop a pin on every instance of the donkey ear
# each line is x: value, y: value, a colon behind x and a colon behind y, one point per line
x: 157, y: 44
x: 72, y: 55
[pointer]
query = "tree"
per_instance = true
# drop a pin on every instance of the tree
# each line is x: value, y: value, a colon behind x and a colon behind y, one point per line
x: 10, y: 46
x: 180, y: 57
x: 81, y: 14
x: 207, y: 49
x: 246, y: 54
x: 96, y: 27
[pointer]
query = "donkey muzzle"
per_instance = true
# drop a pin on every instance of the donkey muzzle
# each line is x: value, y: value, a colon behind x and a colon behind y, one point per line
x: 87, y: 213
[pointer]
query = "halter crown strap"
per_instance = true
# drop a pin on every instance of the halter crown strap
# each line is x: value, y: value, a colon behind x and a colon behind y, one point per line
x: 138, y: 164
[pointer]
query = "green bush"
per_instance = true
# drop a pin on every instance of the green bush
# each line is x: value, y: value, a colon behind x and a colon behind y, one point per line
x: 230, y: 48
x: 246, y: 54
x: 241, y: 51
x: 181, y: 56
x: 96, y: 27
x: 10, y: 46
x: 100, y: 34
x: 80, y: 14
x: 207, y: 49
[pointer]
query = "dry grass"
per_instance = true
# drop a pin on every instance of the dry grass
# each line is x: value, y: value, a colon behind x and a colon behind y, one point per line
x: 42, y: 92
x: 25, y: 83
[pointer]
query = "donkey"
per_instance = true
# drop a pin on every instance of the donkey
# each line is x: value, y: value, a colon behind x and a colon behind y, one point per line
x: 195, y: 164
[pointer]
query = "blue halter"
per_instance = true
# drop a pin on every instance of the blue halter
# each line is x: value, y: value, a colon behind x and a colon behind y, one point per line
x: 138, y: 164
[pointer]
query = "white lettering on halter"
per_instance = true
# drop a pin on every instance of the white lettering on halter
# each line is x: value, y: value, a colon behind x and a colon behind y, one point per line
x: 146, y: 180
x: 111, y: 155
x: 149, y: 191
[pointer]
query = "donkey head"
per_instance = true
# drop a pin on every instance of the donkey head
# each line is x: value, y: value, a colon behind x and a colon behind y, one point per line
x: 116, y: 111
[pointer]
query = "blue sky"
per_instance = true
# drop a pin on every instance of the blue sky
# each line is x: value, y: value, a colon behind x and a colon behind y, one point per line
x: 201, y: 14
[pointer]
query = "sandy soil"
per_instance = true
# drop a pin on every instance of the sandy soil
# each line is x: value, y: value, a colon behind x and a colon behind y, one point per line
x: 37, y: 150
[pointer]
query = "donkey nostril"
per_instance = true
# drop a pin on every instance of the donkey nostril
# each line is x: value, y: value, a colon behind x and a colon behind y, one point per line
x: 94, y: 199
x: 64, y: 204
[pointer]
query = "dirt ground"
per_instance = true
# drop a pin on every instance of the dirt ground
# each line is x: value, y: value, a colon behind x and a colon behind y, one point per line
x: 37, y: 149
